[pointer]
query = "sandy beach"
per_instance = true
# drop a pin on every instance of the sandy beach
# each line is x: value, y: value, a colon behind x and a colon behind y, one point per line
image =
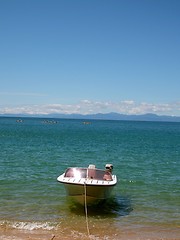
x: 148, y: 233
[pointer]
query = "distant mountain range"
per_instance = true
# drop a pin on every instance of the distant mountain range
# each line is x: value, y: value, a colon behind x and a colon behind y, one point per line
x: 104, y: 116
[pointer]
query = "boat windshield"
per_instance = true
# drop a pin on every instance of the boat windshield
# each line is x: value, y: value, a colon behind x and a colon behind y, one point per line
x: 76, y: 172
x: 88, y: 173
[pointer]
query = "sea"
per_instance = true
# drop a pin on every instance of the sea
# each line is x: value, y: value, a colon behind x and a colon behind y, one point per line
x: 146, y: 160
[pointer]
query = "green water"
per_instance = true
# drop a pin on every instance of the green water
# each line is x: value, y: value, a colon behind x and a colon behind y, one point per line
x: 145, y: 155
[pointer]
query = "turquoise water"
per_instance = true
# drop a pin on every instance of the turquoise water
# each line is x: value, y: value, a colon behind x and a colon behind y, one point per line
x: 145, y: 155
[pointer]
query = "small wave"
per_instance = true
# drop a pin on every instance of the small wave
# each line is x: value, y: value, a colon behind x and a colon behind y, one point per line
x: 29, y: 225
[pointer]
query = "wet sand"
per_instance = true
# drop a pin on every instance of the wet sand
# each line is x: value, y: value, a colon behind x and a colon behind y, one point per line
x: 148, y: 233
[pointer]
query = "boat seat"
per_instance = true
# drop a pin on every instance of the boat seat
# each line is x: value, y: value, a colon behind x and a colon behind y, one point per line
x: 107, y: 176
x: 91, y: 173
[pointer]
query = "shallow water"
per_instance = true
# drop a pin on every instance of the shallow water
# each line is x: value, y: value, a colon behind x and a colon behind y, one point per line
x: 146, y: 159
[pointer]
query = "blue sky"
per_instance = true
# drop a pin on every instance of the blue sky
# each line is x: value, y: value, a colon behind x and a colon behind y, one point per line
x: 90, y: 56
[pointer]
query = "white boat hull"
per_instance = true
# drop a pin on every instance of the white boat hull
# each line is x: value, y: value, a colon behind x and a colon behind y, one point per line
x: 91, y: 191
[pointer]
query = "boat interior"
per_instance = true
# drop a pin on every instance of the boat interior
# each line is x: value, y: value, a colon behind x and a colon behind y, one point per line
x: 91, y: 173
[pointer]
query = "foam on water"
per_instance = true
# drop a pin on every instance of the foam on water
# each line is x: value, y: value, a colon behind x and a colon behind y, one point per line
x: 28, y: 225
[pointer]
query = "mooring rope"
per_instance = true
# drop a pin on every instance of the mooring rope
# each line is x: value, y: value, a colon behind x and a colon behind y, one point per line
x: 85, y: 207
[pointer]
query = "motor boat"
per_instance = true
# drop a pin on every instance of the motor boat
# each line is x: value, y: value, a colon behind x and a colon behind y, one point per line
x: 88, y: 185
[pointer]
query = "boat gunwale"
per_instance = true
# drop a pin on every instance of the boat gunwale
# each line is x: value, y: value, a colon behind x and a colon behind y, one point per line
x: 87, y: 181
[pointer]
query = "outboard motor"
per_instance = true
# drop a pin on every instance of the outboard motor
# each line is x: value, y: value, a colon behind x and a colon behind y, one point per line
x: 109, y: 167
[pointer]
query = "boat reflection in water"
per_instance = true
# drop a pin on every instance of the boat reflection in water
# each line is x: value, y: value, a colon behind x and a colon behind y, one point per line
x: 88, y: 185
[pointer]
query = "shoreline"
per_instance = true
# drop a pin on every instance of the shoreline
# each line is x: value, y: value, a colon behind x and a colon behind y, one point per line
x: 141, y: 233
